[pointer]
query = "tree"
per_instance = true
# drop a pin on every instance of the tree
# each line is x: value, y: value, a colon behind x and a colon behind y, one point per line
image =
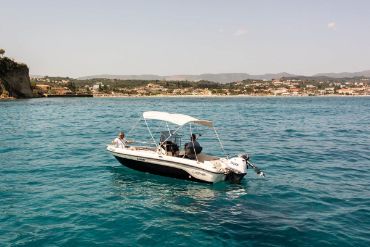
x: 72, y: 86
x: 2, y: 51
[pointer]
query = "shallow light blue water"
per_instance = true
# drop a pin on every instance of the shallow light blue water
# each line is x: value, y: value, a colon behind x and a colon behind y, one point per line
x: 60, y: 187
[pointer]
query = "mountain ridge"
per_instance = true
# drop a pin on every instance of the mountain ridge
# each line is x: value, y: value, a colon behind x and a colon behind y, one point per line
x: 216, y: 77
x: 225, y: 77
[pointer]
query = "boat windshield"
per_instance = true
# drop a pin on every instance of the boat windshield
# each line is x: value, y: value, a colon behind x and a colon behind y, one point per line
x: 172, y: 136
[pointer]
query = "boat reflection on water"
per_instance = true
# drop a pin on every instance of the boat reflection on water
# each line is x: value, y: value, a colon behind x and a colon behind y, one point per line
x: 153, y: 191
x: 236, y: 192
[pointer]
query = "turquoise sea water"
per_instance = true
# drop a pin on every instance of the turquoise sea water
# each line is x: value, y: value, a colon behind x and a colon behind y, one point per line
x: 60, y: 187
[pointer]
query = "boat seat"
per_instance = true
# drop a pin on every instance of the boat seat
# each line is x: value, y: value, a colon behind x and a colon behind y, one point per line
x: 204, y: 157
x: 201, y: 157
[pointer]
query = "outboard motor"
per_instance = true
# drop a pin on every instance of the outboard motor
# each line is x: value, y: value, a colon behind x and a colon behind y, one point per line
x: 256, y: 169
x: 245, y: 156
x: 238, y: 168
x: 237, y: 165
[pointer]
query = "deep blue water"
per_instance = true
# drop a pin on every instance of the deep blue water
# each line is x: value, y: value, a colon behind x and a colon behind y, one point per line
x: 60, y: 187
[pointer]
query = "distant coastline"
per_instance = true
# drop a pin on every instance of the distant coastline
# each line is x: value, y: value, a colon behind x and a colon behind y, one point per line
x: 225, y: 96
x: 140, y: 88
x: 116, y: 88
x: 194, y: 96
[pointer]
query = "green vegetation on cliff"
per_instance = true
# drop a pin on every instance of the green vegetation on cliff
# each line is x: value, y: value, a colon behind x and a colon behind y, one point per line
x: 14, y: 77
x: 7, y: 65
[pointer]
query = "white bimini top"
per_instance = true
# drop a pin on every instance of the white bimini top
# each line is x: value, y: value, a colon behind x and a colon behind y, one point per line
x: 179, y: 119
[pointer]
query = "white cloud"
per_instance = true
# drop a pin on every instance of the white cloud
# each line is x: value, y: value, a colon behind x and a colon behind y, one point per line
x: 332, y: 25
x: 240, y: 32
x: 221, y: 30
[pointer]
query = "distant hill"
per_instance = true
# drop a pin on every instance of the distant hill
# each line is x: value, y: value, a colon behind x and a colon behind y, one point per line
x: 222, y: 77
x: 365, y: 73
x: 228, y: 77
x: 123, y: 77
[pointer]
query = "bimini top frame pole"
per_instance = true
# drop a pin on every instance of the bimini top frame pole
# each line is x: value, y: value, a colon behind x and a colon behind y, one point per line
x: 179, y: 119
x: 221, y: 145
x: 150, y: 132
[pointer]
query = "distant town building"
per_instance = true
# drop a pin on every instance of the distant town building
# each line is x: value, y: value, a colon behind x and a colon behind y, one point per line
x: 345, y: 91
x: 43, y: 87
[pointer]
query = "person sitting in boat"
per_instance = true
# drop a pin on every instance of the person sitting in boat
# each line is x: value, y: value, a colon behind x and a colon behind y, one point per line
x: 170, y: 147
x: 192, y: 148
x: 120, y: 141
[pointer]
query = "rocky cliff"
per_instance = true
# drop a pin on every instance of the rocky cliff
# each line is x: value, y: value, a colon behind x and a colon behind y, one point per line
x: 15, y: 78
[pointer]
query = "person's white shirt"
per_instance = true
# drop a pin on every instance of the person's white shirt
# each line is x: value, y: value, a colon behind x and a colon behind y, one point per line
x: 120, y: 143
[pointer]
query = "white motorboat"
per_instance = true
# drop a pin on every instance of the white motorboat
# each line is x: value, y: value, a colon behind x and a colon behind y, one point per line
x: 166, y: 158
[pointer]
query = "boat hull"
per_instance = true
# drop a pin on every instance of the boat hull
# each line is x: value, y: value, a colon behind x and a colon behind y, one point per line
x: 234, y: 177
x: 158, y: 169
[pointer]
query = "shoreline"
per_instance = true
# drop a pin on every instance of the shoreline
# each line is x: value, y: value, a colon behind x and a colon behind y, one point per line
x: 7, y: 98
x: 196, y: 96
x: 225, y: 96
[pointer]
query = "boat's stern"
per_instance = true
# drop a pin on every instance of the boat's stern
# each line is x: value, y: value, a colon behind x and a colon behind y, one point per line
x: 233, y: 177
x: 236, y: 169
x: 237, y: 165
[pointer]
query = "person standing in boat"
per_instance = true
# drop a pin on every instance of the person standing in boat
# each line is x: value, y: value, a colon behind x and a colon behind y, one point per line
x: 192, y: 148
x: 120, y: 141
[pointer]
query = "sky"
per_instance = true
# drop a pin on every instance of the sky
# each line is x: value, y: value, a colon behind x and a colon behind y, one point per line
x: 80, y: 38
